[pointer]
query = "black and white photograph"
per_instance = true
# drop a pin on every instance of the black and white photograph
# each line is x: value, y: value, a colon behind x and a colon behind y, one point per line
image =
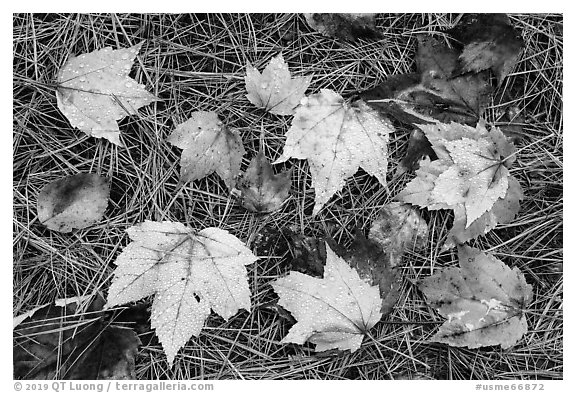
x: 201, y: 197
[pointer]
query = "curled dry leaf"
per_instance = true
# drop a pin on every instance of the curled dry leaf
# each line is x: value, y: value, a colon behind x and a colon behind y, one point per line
x: 261, y: 191
x: 275, y: 90
x: 337, y: 139
x: 94, y: 91
x: 345, y: 26
x: 76, y: 201
x: 189, y: 273
x: 208, y: 146
x: 333, y: 312
x: 470, y: 176
x: 398, y: 227
x: 483, y: 300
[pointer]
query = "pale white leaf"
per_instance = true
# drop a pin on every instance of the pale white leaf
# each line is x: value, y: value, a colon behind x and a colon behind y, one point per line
x: 95, y: 91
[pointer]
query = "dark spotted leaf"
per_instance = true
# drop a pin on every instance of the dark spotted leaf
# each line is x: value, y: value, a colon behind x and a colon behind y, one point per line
x: 261, y: 191
x: 483, y: 300
x: 76, y: 201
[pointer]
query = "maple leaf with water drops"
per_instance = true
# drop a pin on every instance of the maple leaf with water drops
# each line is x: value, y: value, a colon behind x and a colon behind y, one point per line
x: 333, y: 312
x: 483, y: 300
x: 470, y: 176
x: 188, y: 272
x: 94, y: 91
x: 337, y: 139
x: 275, y: 90
x: 209, y: 146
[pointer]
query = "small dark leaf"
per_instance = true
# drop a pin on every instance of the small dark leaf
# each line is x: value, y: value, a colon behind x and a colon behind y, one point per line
x: 490, y: 42
x: 261, y: 191
x: 435, y: 59
x: 349, y: 27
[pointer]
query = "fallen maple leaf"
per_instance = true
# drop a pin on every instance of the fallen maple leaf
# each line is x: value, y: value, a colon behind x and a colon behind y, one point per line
x: 94, y: 91
x: 471, y: 171
x: 348, y: 26
x: 261, y: 191
x: 76, y: 201
x: 189, y: 273
x: 209, y: 146
x: 337, y: 139
x: 275, y: 90
x: 334, y: 312
x: 483, y: 300
x: 490, y: 42
x: 70, y: 339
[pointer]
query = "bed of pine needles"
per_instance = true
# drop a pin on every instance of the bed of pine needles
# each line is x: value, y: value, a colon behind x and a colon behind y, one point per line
x: 197, y: 62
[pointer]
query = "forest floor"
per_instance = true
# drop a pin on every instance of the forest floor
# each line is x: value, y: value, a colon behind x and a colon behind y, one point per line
x: 198, y: 62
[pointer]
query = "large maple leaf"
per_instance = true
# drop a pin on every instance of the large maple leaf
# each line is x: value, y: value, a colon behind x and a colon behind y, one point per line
x: 483, y: 300
x: 275, y: 90
x: 337, y: 139
x: 95, y: 91
x: 209, y: 146
x: 333, y: 312
x: 470, y: 176
x: 189, y: 273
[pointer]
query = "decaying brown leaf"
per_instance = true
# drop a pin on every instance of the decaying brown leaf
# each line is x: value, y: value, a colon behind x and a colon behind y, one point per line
x: 261, y: 191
